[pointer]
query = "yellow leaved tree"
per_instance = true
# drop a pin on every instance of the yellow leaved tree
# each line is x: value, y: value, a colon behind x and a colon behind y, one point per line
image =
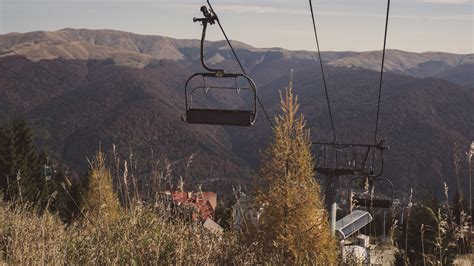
x: 293, y: 223
x: 101, y: 203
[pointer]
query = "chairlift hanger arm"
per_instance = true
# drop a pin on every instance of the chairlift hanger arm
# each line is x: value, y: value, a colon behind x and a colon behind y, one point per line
x: 370, y: 173
x: 381, y: 147
x: 381, y: 165
x: 209, y: 17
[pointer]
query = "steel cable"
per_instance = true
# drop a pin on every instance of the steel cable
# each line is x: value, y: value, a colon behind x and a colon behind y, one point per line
x: 238, y: 60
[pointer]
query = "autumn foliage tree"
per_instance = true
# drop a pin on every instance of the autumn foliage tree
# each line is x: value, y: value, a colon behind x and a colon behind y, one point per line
x: 100, y: 201
x: 293, y: 222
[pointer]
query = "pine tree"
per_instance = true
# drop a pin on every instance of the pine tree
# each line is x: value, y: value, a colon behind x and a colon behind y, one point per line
x: 293, y: 223
x: 100, y: 201
x: 6, y: 167
x: 26, y: 157
x: 7, y: 162
x: 19, y: 163
x: 21, y: 169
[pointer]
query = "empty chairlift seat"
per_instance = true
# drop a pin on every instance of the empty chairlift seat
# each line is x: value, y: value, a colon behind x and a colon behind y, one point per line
x: 220, y: 117
x: 375, y: 202
x: 237, y: 117
x: 370, y: 197
x: 217, y: 116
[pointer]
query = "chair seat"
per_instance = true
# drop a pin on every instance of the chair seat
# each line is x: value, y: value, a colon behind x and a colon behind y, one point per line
x: 376, y: 203
x: 220, y: 117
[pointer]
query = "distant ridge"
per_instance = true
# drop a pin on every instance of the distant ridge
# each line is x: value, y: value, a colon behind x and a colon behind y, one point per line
x: 134, y: 50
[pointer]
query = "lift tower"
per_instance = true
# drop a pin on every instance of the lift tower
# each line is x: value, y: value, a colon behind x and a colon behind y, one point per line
x: 345, y: 159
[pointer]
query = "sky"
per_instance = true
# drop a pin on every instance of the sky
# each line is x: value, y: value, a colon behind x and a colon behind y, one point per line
x: 343, y: 25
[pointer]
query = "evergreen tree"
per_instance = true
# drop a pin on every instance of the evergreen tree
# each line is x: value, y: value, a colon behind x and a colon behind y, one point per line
x: 293, y: 222
x: 22, y: 175
x: 7, y: 165
x: 37, y: 188
x: 26, y: 157
x: 19, y: 163
x: 100, y: 201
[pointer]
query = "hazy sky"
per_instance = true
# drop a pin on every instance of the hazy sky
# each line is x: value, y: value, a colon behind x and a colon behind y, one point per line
x: 415, y: 25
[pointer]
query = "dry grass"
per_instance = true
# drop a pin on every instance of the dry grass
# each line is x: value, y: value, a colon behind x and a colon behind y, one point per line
x: 28, y: 238
x: 136, y: 234
x: 142, y: 235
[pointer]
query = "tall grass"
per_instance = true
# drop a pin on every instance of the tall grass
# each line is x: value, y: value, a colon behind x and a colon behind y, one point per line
x: 135, y: 234
x: 29, y: 238
x: 141, y: 235
x: 138, y: 232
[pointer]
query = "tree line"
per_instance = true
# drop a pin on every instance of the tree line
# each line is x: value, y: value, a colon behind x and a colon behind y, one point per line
x: 27, y: 176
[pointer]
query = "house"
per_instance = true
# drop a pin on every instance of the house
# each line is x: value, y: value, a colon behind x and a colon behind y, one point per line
x: 203, y: 203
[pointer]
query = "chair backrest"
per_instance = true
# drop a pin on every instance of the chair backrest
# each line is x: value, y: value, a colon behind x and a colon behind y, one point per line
x: 220, y: 116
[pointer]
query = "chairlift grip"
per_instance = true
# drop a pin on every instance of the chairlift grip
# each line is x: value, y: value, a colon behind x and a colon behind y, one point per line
x: 208, y: 18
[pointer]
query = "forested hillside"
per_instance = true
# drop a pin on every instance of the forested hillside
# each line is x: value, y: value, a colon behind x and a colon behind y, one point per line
x: 132, y: 97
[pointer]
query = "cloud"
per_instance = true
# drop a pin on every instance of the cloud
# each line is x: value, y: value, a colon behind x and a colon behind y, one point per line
x: 446, y: 2
x: 252, y: 9
x: 436, y: 18
x: 269, y: 10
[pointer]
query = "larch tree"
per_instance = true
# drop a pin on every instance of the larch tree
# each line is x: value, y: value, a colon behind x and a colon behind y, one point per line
x: 293, y: 223
x: 100, y: 201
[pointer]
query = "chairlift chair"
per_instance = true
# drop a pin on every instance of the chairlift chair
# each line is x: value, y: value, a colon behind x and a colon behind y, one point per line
x: 340, y: 159
x: 377, y: 200
x: 196, y: 115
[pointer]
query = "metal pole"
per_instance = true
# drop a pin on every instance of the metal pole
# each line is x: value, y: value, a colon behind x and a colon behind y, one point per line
x: 471, y: 152
x: 330, y: 200
x: 403, y: 212
x: 333, y: 218
x: 384, y: 222
x: 470, y: 186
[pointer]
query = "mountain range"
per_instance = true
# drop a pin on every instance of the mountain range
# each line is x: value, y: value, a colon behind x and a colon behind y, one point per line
x: 80, y: 89
x: 138, y: 51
